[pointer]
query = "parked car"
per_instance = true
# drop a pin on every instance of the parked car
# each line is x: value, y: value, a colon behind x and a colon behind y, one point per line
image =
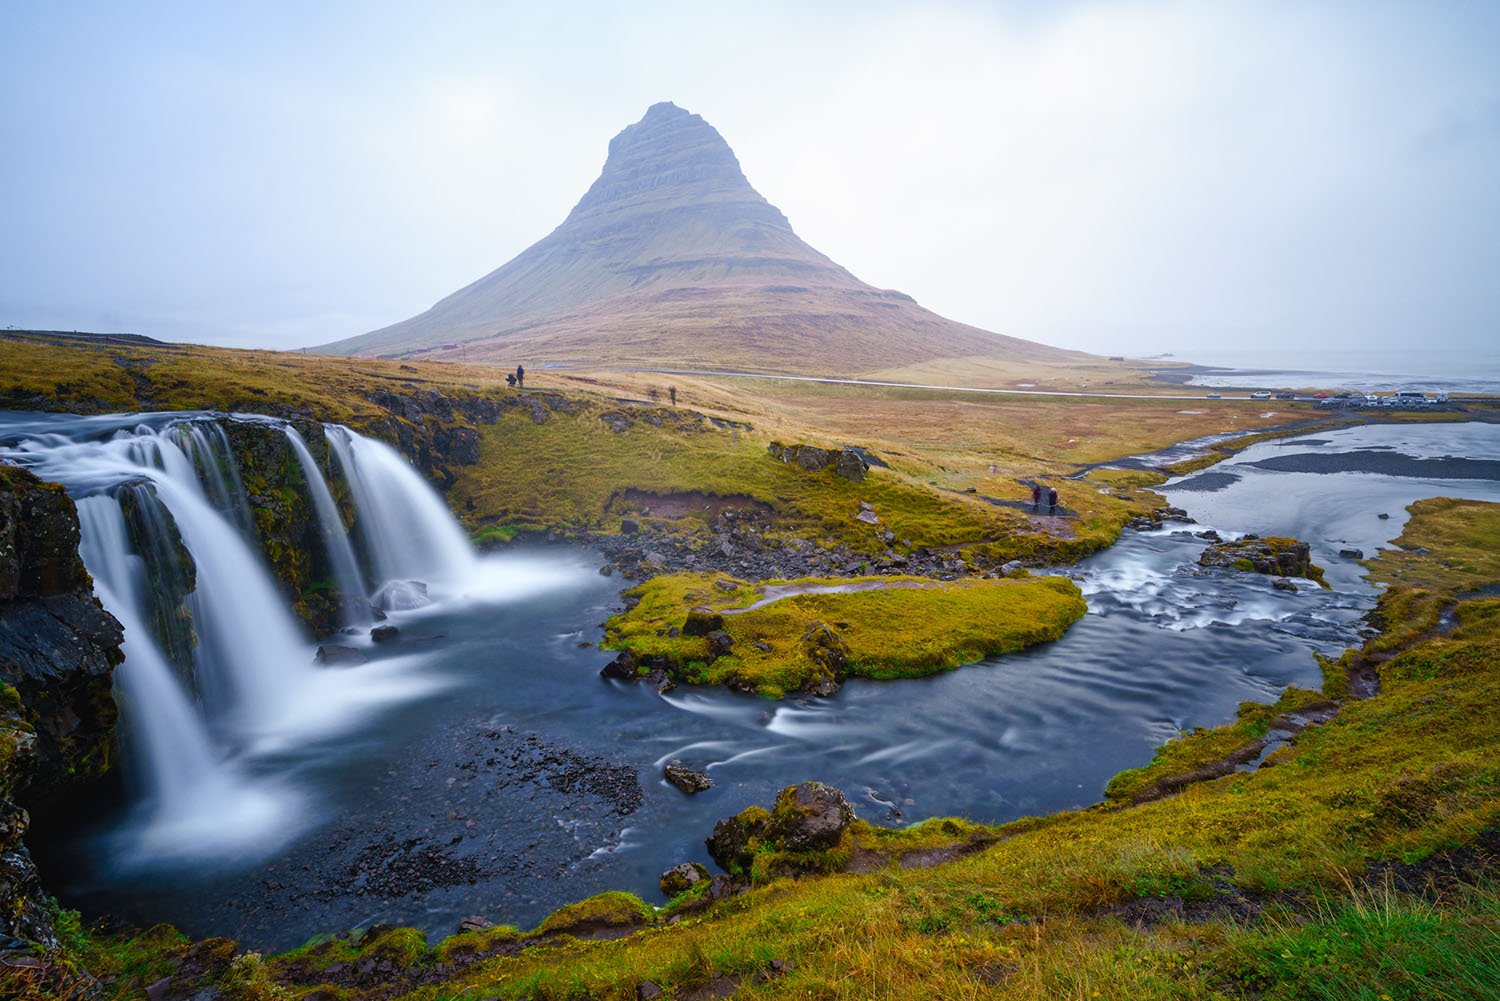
x: 1264, y: 394
x: 1213, y: 396
x: 1321, y: 396
x: 1286, y: 395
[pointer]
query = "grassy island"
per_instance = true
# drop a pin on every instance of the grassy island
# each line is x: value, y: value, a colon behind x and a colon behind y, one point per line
x: 712, y: 629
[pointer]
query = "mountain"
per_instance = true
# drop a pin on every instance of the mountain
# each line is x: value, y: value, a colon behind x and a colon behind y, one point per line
x: 671, y: 259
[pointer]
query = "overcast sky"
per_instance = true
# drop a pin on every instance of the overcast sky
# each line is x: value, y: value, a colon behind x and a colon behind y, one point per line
x: 1119, y: 177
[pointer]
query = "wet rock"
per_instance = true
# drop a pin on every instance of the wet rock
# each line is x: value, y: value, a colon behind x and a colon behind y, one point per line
x: 1012, y: 566
x: 689, y: 780
x: 808, y: 817
x: 682, y: 877
x: 607, y: 570
x: 341, y: 656
x: 1282, y: 584
x: 1352, y: 554
x: 401, y: 596
x: 1278, y: 557
x: 622, y: 668
x: 734, y: 839
x: 384, y: 634
x: 719, y: 643
x: 474, y: 922
x: 660, y: 680
x: 702, y: 621
x: 1383, y: 516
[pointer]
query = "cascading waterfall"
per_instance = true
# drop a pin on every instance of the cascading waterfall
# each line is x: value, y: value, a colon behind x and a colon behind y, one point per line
x: 182, y: 779
x: 407, y: 530
x: 208, y: 447
x: 217, y: 669
x: 355, y: 607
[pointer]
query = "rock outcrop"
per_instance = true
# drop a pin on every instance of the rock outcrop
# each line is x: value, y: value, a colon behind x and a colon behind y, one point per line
x: 845, y: 462
x: 1276, y: 556
x: 58, y: 651
x: 807, y: 818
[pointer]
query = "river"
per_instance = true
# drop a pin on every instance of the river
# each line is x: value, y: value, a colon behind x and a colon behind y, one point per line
x: 491, y: 771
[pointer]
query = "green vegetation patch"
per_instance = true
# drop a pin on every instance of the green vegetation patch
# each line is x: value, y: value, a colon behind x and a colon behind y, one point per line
x: 1449, y: 544
x: 880, y: 627
x: 1207, y: 753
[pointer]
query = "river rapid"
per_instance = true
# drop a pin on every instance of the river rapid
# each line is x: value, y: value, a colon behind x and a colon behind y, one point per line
x: 497, y: 774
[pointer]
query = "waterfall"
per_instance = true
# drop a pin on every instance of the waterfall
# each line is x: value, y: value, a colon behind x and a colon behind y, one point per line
x: 340, y: 553
x: 407, y: 530
x: 207, y: 446
x: 184, y: 784
x: 218, y: 672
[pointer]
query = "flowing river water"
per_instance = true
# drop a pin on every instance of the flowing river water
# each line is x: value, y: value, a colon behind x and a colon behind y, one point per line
x: 480, y: 765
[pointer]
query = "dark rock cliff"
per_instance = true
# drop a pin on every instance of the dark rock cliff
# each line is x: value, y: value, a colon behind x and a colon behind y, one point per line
x: 58, y: 650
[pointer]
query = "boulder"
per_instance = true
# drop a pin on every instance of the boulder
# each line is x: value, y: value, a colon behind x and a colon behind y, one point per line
x: 622, y: 668
x: 474, y: 922
x: 1352, y: 554
x: 401, y: 596
x: 719, y: 643
x: 384, y: 634
x: 825, y: 648
x: 735, y: 839
x: 702, y: 621
x: 851, y: 466
x: 1283, y: 584
x: 341, y: 656
x: 689, y: 780
x: 809, y: 817
x: 629, y: 526
x: 682, y: 877
x: 868, y: 517
x: 1276, y: 556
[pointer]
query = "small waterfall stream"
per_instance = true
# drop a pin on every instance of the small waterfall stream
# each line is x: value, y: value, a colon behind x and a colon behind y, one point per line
x: 407, y: 530
x: 335, y: 539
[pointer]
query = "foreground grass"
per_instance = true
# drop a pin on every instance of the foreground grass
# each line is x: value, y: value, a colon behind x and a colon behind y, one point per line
x: 884, y: 627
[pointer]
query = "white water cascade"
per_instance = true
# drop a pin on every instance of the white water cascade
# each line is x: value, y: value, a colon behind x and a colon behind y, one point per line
x: 186, y: 787
x: 407, y: 530
x: 218, y: 672
x: 335, y: 538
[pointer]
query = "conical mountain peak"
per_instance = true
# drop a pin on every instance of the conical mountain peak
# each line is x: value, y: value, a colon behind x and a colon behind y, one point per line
x: 671, y: 256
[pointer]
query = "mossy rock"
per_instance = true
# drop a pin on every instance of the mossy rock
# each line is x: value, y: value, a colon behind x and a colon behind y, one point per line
x: 602, y: 916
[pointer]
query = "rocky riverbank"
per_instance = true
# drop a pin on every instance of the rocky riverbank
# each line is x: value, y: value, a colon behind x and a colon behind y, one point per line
x: 58, y: 650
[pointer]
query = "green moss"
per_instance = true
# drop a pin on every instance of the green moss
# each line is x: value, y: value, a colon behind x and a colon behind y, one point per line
x: 1207, y: 753
x: 898, y: 627
x: 611, y: 909
x: 475, y: 944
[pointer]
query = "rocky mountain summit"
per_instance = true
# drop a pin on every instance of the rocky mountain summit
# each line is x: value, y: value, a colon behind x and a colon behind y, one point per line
x: 672, y: 257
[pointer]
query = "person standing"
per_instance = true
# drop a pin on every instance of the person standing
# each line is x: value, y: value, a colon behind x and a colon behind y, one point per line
x: 1036, y: 497
x: 521, y: 376
x: 1052, y: 499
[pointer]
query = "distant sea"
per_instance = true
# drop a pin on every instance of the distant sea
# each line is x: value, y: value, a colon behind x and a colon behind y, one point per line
x: 1445, y: 370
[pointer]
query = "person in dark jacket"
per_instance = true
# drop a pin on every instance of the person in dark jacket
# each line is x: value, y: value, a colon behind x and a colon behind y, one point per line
x: 521, y: 376
x: 1036, y: 497
x: 1052, y: 499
